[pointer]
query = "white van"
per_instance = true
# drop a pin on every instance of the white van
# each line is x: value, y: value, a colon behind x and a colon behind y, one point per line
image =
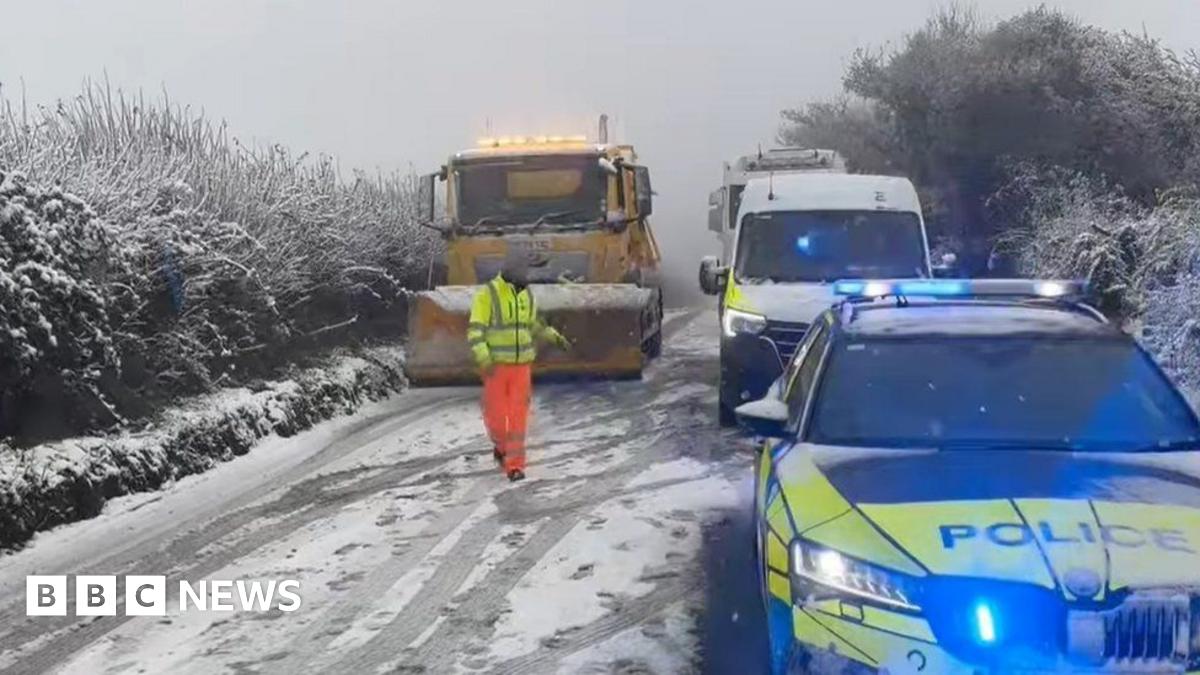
x: 796, y: 235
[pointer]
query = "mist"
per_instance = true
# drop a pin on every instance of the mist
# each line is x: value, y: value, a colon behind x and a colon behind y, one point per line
x: 396, y: 85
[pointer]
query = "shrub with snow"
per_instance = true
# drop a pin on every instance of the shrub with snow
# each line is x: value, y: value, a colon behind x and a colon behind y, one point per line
x: 1075, y: 228
x: 1143, y: 264
x: 1171, y: 328
x: 56, y: 330
x: 953, y: 103
x: 199, y: 263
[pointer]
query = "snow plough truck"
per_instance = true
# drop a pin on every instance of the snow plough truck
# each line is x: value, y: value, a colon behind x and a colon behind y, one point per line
x: 578, y: 210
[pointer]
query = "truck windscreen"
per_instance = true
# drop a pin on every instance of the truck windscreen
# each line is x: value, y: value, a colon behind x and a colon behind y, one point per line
x: 822, y: 246
x: 522, y: 190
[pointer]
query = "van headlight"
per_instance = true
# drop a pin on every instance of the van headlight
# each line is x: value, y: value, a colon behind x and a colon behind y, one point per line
x: 735, y: 322
x: 836, y: 574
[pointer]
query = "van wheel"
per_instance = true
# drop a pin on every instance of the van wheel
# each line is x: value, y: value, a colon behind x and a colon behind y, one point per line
x: 725, y: 415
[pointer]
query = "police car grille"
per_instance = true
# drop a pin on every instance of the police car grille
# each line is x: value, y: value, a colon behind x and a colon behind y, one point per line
x: 1156, y: 630
x: 786, y: 335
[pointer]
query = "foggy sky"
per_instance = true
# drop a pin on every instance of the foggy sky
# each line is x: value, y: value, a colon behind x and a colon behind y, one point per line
x: 399, y: 83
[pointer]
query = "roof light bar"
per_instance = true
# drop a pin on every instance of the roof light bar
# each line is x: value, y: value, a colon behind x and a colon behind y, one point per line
x: 964, y: 288
x: 510, y: 141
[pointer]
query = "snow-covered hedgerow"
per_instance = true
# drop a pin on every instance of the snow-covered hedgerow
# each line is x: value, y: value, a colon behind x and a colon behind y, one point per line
x: 50, y: 484
x: 1075, y: 228
x: 196, y: 263
x: 1143, y: 264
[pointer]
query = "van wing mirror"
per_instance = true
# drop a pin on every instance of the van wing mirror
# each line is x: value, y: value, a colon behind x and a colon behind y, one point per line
x: 766, y: 417
x: 947, y: 267
x: 713, y: 276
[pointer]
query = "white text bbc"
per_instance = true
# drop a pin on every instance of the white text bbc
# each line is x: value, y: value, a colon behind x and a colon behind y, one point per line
x: 97, y: 595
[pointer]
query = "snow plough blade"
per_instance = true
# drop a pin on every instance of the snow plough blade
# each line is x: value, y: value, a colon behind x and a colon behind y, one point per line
x: 613, y: 328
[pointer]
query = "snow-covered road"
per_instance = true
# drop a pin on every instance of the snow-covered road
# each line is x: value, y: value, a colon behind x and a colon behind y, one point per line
x: 414, y: 554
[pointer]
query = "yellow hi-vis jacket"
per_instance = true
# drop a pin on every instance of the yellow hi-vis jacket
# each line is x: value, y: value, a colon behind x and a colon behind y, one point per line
x: 505, y: 325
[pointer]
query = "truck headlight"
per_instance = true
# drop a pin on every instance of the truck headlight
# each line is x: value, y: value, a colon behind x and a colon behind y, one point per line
x: 832, y: 570
x: 735, y: 322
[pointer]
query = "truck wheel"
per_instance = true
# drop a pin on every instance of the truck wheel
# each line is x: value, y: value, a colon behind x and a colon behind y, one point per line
x: 654, y: 348
x: 656, y: 342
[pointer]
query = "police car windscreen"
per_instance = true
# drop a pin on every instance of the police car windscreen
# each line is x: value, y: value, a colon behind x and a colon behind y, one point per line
x: 522, y: 190
x: 816, y: 246
x: 987, y: 393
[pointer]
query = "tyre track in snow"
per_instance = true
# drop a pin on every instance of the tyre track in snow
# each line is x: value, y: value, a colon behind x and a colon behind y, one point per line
x: 629, y: 614
x: 206, y: 542
x: 415, y: 618
x: 455, y: 624
x: 55, y: 639
x: 311, y: 645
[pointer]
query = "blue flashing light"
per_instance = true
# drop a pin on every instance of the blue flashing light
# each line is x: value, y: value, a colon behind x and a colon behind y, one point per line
x: 985, y: 624
x: 933, y: 288
x: 804, y: 244
x: 850, y: 288
x: 878, y: 288
x: 960, y: 288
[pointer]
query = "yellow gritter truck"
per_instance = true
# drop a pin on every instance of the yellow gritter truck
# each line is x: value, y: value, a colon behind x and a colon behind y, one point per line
x: 578, y: 209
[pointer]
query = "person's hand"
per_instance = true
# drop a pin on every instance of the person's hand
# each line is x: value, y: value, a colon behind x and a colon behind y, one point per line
x: 486, y: 370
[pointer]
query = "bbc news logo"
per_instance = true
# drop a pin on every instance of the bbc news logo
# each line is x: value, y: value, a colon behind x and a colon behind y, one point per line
x: 97, y: 595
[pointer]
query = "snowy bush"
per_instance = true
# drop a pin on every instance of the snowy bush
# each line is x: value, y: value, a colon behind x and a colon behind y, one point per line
x: 1171, y: 329
x: 1070, y: 150
x: 1143, y: 264
x: 1073, y: 228
x: 56, y: 333
x: 196, y: 261
x: 957, y: 102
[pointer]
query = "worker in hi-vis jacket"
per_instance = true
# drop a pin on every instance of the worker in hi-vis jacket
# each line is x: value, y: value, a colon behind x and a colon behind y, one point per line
x: 503, y: 333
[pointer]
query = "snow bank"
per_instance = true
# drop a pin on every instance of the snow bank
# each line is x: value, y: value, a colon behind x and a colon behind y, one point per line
x: 69, y: 480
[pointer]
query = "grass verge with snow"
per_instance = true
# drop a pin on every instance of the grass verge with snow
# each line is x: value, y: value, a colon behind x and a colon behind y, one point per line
x: 54, y: 483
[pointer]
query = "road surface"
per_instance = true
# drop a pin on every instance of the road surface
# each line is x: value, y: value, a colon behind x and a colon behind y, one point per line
x: 626, y: 551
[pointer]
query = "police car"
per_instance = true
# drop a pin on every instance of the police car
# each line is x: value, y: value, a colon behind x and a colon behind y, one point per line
x: 975, y: 477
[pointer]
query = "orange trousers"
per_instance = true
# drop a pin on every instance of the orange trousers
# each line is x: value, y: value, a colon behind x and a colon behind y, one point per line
x: 506, y: 394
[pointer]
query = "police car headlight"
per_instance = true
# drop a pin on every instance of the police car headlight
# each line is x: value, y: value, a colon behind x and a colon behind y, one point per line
x: 831, y: 570
x: 735, y: 322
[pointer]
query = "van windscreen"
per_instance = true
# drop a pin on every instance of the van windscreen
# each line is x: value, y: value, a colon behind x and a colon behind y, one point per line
x: 824, y: 246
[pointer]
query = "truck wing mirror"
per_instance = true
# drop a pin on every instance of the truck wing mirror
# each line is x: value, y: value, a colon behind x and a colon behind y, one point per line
x: 643, y: 191
x: 716, y: 219
x: 426, y: 199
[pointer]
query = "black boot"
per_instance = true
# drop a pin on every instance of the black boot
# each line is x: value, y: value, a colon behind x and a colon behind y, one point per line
x: 498, y: 456
x: 516, y: 475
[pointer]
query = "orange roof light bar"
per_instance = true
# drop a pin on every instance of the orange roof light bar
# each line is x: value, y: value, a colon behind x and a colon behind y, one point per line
x: 510, y: 141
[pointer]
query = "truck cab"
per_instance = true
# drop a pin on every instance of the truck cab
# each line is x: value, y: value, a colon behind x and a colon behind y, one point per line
x: 578, y: 211
x: 795, y: 236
